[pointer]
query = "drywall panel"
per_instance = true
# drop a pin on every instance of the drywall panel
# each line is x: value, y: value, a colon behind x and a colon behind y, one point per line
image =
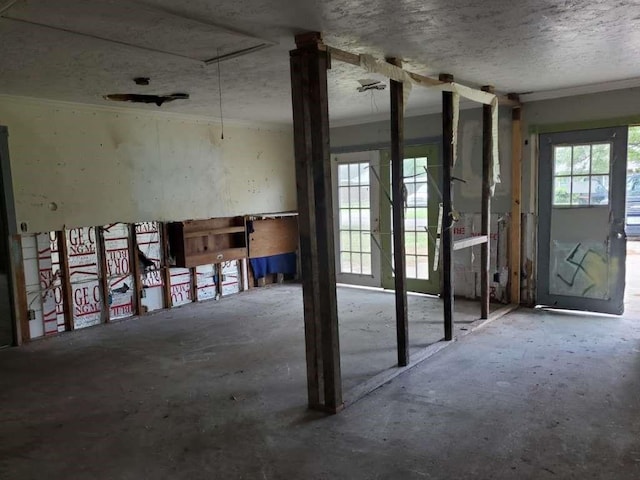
x: 206, y: 282
x: 148, y: 240
x: 76, y: 165
x: 120, y: 278
x: 180, y: 286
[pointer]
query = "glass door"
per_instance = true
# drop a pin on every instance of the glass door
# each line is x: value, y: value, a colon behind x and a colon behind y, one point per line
x: 356, y: 203
x: 422, y: 200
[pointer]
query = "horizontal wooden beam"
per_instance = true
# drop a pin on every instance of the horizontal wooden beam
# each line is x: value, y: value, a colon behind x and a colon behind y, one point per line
x: 354, y: 59
x: 469, y: 242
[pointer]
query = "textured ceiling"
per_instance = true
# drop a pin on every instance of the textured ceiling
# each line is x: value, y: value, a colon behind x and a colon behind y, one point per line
x: 516, y: 45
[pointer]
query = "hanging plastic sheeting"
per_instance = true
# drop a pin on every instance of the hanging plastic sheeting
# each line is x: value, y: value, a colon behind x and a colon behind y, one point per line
x: 371, y: 65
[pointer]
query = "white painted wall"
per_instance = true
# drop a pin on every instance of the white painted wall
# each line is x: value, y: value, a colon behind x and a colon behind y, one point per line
x: 104, y: 165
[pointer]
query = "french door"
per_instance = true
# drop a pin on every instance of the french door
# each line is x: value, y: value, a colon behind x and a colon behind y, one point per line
x: 581, y: 241
x: 356, y: 203
x: 422, y: 201
x: 362, y: 205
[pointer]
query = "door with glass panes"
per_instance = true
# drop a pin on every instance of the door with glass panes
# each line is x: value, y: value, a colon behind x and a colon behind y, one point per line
x: 581, y: 236
x: 421, y: 206
x: 356, y: 222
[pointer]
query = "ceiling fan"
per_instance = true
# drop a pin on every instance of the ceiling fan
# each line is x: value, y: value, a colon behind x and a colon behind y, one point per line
x: 141, y: 98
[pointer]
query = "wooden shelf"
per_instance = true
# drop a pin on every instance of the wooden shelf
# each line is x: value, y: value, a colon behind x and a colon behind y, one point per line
x: 206, y: 242
x: 215, y: 231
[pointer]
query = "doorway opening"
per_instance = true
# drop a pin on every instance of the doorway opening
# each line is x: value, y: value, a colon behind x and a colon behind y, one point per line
x: 632, y: 221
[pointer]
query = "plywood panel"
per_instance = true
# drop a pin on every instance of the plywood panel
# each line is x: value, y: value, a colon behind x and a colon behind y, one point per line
x: 273, y: 236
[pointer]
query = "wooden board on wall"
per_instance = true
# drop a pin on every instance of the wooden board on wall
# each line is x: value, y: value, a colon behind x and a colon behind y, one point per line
x: 203, y: 242
x: 273, y: 236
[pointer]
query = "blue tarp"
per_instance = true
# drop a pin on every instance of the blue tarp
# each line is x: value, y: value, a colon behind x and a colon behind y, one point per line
x: 283, y: 263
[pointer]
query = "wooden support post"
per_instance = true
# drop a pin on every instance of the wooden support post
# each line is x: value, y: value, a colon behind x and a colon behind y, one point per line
x: 135, y: 270
x: 164, y: 265
x: 65, y: 281
x: 309, y: 63
x: 447, y: 208
x: 18, y: 291
x: 193, y: 286
x: 515, y: 235
x: 485, y: 221
x: 398, y: 196
x: 103, y: 274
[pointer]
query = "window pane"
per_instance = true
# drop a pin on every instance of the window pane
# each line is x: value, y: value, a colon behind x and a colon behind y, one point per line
x: 365, y: 198
x: 410, y: 220
x: 354, y: 174
x: 365, y: 219
x: 355, y: 241
x: 599, y: 190
x: 561, y: 190
x: 366, y: 242
x: 345, y: 262
x: 422, y: 243
x: 355, y: 219
x: 410, y: 243
x: 411, y: 266
x: 364, y: 174
x: 345, y: 241
x: 580, y: 190
x: 343, y: 174
x: 600, y: 156
x: 356, y: 263
x: 343, y: 197
x: 344, y: 219
x: 421, y: 173
x: 423, y: 267
x: 366, y: 264
x: 354, y: 197
x: 408, y: 166
x: 581, y: 159
x: 562, y: 161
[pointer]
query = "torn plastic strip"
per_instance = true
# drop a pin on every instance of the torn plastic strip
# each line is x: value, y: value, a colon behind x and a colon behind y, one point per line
x: 371, y: 65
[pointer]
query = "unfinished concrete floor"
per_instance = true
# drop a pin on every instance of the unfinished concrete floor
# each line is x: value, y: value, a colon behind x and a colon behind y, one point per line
x: 217, y: 390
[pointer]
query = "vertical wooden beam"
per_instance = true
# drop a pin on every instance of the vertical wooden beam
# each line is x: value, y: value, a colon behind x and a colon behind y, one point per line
x: 103, y: 274
x: 164, y: 265
x: 309, y: 63
x: 515, y: 235
x: 447, y: 207
x: 485, y: 221
x: 398, y: 196
x: 18, y: 291
x: 194, y: 284
x: 135, y: 269
x: 65, y: 281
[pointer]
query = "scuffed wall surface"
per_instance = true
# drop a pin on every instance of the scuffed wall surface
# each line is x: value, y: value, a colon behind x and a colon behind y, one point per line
x: 466, y: 262
x: 77, y: 165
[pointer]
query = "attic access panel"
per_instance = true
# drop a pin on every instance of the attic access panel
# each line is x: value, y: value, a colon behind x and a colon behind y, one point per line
x: 136, y: 25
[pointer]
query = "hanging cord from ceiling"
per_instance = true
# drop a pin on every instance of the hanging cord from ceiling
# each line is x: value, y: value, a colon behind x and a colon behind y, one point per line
x: 220, y: 98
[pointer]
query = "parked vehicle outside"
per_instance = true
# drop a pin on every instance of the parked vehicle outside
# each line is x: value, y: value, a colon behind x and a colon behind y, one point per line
x: 633, y: 205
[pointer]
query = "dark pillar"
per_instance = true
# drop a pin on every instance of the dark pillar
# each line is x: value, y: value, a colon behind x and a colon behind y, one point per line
x: 487, y: 148
x: 447, y: 208
x: 397, y: 189
x: 309, y: 63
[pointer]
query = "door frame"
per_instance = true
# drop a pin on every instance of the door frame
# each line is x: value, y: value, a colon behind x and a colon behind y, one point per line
x: 616, y: 235
x: 373, y: 158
